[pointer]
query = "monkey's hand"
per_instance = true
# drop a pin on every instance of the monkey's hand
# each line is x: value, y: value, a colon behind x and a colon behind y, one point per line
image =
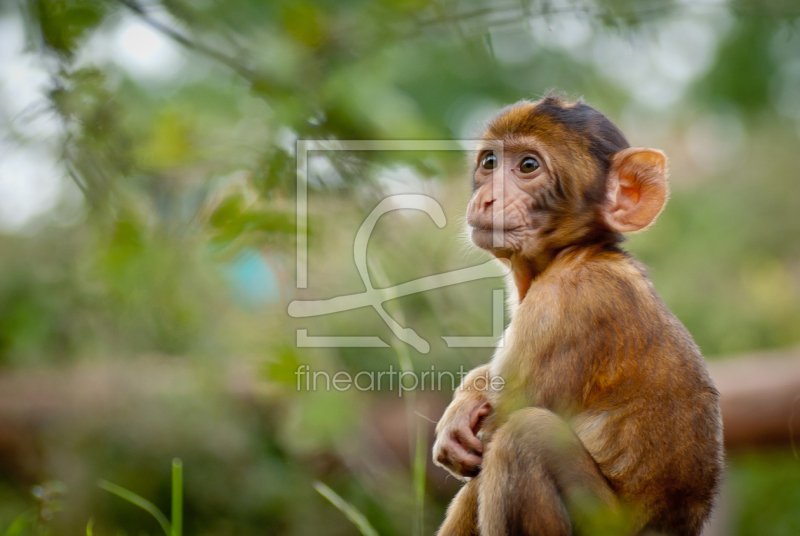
x: 457, y: 448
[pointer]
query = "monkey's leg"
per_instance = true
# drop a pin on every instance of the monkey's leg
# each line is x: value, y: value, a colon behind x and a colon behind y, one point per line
x: 538, y: 479
x: 462, y: 514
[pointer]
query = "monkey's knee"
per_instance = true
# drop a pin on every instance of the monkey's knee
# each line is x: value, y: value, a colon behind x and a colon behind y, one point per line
x: 530, y: 437
x: 540, y: 429
x: 543, y: 435
x: 517, y: 494
x: 461, y: 518
x: 538, y: 468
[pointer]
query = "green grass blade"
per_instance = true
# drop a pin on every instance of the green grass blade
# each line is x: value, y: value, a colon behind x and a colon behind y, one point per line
x: 417, y: 443
x: 89, y: 527
x: 420, y: 470
x: 356, y: 517
x: 141, y: 502
x: 20, y: 522
x: 177, y: 497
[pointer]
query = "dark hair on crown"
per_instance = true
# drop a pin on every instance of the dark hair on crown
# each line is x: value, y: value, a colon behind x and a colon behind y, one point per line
x: 604, y: 137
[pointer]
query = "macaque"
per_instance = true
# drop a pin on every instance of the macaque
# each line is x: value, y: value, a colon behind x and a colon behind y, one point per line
x: 607, y: 421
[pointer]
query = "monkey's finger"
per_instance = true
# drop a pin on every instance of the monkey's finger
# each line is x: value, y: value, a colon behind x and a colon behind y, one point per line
x: 470, y: 466
x: 455, y: 456
x: 468, y: 440
x: 477, y: 414
x: 472, y: 462
x: 463, y: 458
x: 470, y: 473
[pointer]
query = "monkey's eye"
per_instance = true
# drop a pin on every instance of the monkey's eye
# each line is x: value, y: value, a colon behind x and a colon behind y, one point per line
x: 489, y: 161
x: 529, y: 164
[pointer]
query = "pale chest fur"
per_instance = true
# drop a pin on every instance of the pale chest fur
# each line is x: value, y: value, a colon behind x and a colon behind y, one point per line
x: 518, y: 358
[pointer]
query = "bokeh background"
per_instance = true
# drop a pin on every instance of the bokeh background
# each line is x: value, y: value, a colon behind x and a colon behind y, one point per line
x: 147, y: 238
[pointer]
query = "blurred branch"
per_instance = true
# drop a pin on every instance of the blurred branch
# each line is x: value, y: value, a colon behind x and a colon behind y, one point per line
x: 760, y: 398
x: 516, y: 13
x: 77, y: 180
x: 500, y: 16
x: 189, y: 43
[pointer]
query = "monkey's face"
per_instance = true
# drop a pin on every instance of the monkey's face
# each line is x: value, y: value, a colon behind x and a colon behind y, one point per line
x: 508, y: 212
x: 562, y: 175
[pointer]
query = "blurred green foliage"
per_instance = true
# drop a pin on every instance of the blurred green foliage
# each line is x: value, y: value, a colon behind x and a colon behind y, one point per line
x: 144, y: 316
x: 766, y: 489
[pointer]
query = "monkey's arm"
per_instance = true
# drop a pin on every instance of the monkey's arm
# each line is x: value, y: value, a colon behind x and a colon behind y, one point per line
x: 457, y: 448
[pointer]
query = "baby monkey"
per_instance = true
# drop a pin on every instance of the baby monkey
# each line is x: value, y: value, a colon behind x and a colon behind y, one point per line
x: 608, y: 422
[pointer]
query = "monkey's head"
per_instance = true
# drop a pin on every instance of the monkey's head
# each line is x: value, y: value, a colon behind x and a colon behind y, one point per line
x: 553, y: 173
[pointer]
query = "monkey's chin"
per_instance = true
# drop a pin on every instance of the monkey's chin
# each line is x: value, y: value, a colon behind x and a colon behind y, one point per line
x: 484, y: 239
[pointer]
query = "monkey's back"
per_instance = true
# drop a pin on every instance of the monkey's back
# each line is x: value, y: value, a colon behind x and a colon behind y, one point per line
x: 628, y: 376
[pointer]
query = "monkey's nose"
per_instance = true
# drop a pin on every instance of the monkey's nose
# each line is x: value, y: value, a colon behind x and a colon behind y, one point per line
x: 487, y: 204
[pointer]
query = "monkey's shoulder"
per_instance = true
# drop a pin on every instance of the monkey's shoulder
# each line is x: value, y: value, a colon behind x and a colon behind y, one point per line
x: 597, y: 281
x: 603, y: 301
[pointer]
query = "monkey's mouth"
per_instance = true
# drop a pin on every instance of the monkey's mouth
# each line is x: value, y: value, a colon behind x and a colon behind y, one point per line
x: 501, y: 241
x: 495, y: 239
x: 483, y: 228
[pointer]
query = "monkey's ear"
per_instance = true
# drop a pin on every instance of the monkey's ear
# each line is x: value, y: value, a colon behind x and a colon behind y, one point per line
x: 636, y: 189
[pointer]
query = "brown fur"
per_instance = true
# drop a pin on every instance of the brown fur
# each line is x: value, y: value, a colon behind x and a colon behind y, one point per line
x: 607, y: 400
